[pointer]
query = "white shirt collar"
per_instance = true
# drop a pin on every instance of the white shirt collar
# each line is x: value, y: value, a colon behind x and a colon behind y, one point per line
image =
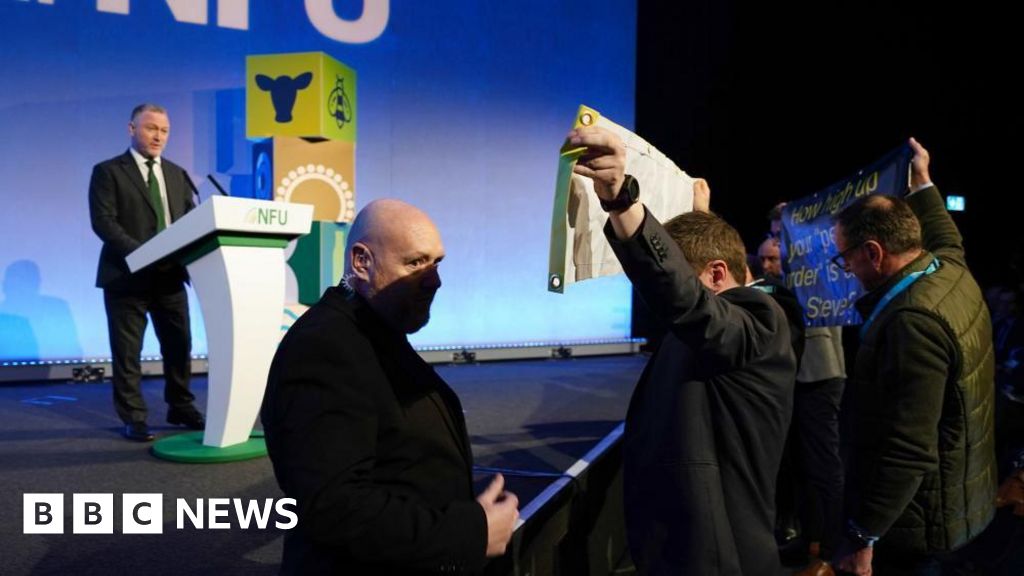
x: 140, y: 159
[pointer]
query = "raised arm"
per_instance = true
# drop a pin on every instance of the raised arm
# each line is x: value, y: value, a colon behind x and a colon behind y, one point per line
x: 659, y: 270
x: 938, y: 231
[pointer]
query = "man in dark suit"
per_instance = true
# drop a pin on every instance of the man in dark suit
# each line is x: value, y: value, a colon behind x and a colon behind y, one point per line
x: 707, y: 422
x: 366, y: 437
x: 132, y: 197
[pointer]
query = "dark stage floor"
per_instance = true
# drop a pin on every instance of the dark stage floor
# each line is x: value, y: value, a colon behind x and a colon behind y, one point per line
x: 540, y: 416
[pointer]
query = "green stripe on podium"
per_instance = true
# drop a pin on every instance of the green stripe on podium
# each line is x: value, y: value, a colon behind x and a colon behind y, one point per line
x: 196, y: 251
x: 189, y: 448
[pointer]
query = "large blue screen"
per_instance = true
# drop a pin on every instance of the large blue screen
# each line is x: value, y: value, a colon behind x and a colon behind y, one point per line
x: 463, y: 105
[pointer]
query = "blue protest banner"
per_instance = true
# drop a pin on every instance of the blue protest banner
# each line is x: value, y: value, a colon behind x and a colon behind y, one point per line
x: 826, y: 292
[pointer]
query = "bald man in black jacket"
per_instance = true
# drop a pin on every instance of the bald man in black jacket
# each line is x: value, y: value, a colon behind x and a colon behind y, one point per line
x: 366, y: 437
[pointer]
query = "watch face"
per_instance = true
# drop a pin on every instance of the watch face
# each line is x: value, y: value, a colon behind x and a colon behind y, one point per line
x: 632, y: 188
x: 628, y: 195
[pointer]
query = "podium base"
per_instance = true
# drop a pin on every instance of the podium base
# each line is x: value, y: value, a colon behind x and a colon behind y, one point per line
x: 189, y: 448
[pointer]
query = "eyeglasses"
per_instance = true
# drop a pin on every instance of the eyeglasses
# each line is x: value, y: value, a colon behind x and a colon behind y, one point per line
x: 842, y: 261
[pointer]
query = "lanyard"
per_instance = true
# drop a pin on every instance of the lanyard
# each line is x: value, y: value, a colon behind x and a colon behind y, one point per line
x: 895, y: 291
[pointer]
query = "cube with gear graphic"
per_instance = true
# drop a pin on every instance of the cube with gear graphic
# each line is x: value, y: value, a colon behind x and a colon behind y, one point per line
x: 317, y: 172
x: 304, y: 94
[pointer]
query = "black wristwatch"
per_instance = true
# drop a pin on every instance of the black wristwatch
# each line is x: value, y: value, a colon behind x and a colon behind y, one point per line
x: 628, y: 195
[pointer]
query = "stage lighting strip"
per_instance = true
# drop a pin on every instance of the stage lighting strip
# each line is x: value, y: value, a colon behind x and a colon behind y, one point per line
x: 453, y: 348
x: 82, y: 361
x: 530, y: 345
x: 569, y: 476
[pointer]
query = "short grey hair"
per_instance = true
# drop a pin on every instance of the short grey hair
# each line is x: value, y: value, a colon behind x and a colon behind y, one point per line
x: 147, y: 107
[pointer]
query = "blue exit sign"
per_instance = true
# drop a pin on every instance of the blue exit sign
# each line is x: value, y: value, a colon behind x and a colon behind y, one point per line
x: 956, y: 203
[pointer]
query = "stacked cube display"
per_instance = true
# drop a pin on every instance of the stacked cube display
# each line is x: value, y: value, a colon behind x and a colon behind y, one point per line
x: 302, y: 109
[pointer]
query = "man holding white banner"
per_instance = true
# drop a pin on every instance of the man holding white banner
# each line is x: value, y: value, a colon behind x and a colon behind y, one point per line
x: 707, y: 421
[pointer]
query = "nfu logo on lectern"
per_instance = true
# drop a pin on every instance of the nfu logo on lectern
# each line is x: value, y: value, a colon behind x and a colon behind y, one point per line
x: 267, y: 216
x: 143, y: 513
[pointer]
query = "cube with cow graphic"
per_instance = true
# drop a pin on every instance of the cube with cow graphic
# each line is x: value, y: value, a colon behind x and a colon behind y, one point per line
x: 304, y: 94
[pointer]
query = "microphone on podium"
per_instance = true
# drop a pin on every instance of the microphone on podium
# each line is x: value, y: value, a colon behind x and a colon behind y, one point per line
x: 218, y: 186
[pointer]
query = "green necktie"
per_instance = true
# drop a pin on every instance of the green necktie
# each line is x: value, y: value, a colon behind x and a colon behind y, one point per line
x: 154, y: 196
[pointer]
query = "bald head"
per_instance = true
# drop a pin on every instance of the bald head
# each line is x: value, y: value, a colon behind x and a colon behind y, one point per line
x: 384, y: 222
x: 392, y: 254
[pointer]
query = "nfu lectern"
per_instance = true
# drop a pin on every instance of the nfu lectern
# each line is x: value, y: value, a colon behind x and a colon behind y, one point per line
x: 233, y: 249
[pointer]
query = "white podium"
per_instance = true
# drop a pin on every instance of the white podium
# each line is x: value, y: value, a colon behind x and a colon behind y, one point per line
x: 233, y: 249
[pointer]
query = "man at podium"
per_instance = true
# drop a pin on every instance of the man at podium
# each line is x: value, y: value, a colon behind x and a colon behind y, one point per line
x: 132, y: 198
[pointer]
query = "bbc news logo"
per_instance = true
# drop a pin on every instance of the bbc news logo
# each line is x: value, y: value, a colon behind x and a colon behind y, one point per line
x: 143, y: 513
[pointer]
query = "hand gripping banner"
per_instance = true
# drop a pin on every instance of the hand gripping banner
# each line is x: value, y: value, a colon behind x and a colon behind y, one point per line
x: 579, y: 250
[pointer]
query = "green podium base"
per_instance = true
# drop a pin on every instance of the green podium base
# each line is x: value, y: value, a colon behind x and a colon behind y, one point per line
x: 189, y: 448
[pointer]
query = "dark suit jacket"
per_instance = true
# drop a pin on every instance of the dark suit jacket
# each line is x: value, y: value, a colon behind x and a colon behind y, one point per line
x: 372, y: 444
x: 786, y: 300
x: 707, y: 422
x: 124, y: 218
